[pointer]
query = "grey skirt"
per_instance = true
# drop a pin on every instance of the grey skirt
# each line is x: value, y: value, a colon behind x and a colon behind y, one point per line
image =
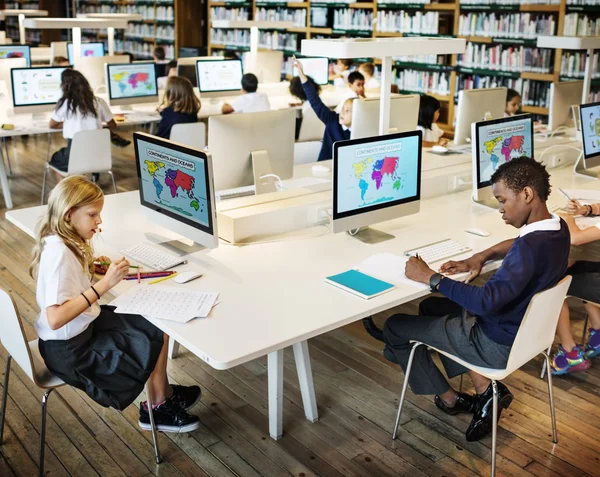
x: 111, y: 360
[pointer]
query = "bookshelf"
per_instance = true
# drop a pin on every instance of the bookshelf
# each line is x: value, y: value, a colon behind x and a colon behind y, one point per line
x: 55, y: 8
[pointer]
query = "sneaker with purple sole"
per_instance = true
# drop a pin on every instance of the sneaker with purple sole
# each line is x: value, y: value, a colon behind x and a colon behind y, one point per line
x: 573, y: 361
x: 592, y: 347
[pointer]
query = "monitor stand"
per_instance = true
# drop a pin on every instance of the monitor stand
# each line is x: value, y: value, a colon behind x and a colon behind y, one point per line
x: 370, y: 236
x: 126, y: 107
x: 490, y: 202
x: 580, y: 170
x: 178, y: 247
x: 264, y: 179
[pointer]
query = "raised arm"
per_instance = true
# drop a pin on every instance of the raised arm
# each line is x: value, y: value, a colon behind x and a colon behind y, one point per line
x: 325, y: 114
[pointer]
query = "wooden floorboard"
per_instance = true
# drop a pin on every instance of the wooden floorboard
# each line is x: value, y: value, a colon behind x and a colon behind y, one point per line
x: 357, y: 393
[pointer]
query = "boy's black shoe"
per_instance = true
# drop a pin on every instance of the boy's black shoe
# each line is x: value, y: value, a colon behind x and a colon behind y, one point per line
x: 168, y: 417
x: 464, y: 403
x: 119, y: 141
x: 186, y: 396
x: 482, y: 422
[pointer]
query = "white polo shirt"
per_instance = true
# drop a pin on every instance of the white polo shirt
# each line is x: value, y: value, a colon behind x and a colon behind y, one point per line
x: 251, y: 103
x: 61, y: 278
x: 75, y: 122
x: 431, y: 135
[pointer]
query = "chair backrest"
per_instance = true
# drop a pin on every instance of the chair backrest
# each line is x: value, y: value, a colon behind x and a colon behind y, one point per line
x: 59, y: 48
x: 12, y: 334
x: 311, y: 128
x: 41, y: 54
x: 538, y: 327
x: 90, y: 152
x: 189, y: 134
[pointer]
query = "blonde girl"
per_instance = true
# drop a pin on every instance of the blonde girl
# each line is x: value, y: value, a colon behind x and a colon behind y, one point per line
x: 108, y: 355
x: 180, y: 105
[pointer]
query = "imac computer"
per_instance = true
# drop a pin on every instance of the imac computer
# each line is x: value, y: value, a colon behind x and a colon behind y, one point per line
x: 36, y: 90
x: 267, y: 67
x: 589, y: 115
x: 176, y: 188
x: 563, y: 95
x: 92, y: 67
x: 375, y: 179
x: 5, y: 67
x: 315, y: 67
x: 133, y: 83
x: 246, y: 147
x: 219, y: 78
x: 477, y: 105
x: 20, y: 51
x: 404, y: 115
x: 186, y: 67
x: 494, y: 143
x: 87, y: 49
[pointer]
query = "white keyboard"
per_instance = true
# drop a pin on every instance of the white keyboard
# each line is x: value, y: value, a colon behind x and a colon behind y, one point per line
x: 439, y: 250
x: 152, y: 257
x: 462, y: 149
x: 237, y: 192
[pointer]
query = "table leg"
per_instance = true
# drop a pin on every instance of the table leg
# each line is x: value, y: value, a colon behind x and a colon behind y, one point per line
x: 275, y: 366
x: 173, y: 348
x: 4, y: 184
x: 307, y: 387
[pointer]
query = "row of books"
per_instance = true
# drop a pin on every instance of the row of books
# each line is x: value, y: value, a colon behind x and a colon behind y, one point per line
x: 507, y: 58
x: 421, y: 59
x: 139, y: 30
x: 229, y: 13
x: 432, y: 82
x: 591, y: 3
x: 533, y: 93
x: 165, y: 13
x: 353, y: 19
x: 577, y: 24
x: 141, y: 49
x: 405, y: 2
x: 147, y: 11
x: 273, y: 40
x: 507, y: 25
x: 296, y: 15
x: 572, y: 64
x: 510, y: 2
x: 405, y: 22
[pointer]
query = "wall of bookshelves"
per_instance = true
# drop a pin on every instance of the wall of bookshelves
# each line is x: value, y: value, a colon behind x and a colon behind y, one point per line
x: 55, y: 8
x: 501, y: 40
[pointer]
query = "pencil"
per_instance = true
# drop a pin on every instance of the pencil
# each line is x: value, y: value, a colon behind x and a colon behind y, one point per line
x: 139, y: 278
x: 106, y: 264
x: 162, y: 279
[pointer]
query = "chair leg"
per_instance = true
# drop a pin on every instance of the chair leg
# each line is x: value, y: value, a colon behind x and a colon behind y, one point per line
x: 404, y: 387
x: 460, y: 385
x: 48, y: 148
x: 8, y: 165
x: 44, y: 185
x: 43, y: 431
x: 546, y: 363
x: 494, y: 426
x: 585, y: 325
x: 4, y: 396
x: 113, y: 181
x: 153, y: 426
x: 551, y: 398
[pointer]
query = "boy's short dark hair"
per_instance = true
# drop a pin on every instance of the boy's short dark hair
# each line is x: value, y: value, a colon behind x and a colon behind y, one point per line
x: 249, y: 83
x: 355, y: 76
x: 297, y: 90
x: 231, y: 55
x: 171, y: 65
x: 523, y: 172
x: 159, y: 53
x: 346, y: 61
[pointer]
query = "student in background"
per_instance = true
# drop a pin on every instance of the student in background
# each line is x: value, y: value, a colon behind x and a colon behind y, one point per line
x: 341, y: 70
x: 159, y: 54
x: 337, y: 126
x: 513, y: 103
x: 129, y: 55
x: 107, y: 355
x: 429, y: 113
x: 368, y: 71
x: 231, y: 55
x: 60, y: 61
x: 249, y: 101
x: 356, y: 89
x: 180, y: 105
x: 170, y: 70
x: 77, y: 110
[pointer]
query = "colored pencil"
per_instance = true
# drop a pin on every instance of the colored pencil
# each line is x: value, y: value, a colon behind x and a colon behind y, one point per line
x: 106, y: 264
x: 162, y: 279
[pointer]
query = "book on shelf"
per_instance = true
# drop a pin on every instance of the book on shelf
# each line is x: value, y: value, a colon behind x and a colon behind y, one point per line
x: 508, y: 25
x: 427, y: 82
x: 572, y: 64
x: 533, y: 93
x: 578, y: 24
x: 510, y: 2
x: 357, y: 19
x: 404, y: 2
x: 229, y: 13
x: 296, y: 15
x: 400, y: 21
x: 507, y: 58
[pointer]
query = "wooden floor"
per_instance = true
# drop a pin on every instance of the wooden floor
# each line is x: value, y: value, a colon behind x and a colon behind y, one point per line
x: 357, y: 393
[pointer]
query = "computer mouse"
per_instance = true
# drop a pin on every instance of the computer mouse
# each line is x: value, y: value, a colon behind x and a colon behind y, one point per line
x: 438, y: 148
x: 185, y: 277
x: 476, y: 231
x: 320, y: 169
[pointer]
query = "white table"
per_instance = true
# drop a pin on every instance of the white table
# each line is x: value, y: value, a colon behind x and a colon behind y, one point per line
x: 21, y: 14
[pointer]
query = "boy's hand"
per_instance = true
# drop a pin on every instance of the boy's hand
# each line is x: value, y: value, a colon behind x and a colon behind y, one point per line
x: 417, y: 270
x: 473, y: 265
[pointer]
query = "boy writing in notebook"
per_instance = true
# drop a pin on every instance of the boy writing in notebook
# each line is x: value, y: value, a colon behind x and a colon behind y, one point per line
x: 479, y: 324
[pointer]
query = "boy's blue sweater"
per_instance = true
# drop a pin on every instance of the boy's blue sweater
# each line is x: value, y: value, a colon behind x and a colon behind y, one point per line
x: 535, y: 262
x: 333, y: 129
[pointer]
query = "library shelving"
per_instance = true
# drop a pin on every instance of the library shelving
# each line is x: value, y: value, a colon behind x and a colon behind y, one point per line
x: 33, y: 37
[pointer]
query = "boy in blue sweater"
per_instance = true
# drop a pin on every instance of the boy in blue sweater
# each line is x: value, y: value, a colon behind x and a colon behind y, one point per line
x: 479, y: 324
x: 337, y: 126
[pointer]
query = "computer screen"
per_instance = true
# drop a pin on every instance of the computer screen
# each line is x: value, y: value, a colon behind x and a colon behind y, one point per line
x: 175, y: 181
x: 22, y: 51
x: 36, y: 86
x: 590, y: 129
x: 316, y: 68
x: 376, y: 173
x: 500, y: 140
x: 87, y: 49
x: 135, y: 80
x: 219, y: 75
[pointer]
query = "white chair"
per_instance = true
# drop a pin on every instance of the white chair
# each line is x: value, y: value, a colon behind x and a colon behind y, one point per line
x: 27, y: 356
x: 58, y: 48
x: 534, y: 337
x: 306, y: 152
x: 90, y: 153
x: 190, y: 134
x: 311, y: 128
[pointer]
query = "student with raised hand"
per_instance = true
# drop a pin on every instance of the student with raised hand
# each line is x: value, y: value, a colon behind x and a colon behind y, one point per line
x: 479, y: 324
x: 337, y: 126
x: 250, y: 101
x: 109, y: 356
x: 180, y: 105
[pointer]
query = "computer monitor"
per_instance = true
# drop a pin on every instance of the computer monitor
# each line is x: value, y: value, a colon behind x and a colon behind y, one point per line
x: 404, y: 115
x: 186, y: 67
x: 476, y: 105
x: 95, y: 48
x: 20, y: 51
x: 233, y: 139
x: 176, y: 188
x: 131, y: 83
x: 221, y: 76
x: 563, y: 95
x: 5, y: 66
x: 267, y: 67
x: 92, y: 67
x: 36, y: 90
x: 188, y: 52
x: 375, y: 179
x: 494, y: 143
x: 316, y: 67
x: 590, y: 133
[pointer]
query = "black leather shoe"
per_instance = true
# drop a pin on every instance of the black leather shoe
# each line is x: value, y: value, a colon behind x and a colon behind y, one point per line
x: 464, y: 403
x: 481, y: 425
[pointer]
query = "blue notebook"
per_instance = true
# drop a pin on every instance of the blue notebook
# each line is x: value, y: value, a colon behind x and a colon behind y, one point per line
x: 365, y: 286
